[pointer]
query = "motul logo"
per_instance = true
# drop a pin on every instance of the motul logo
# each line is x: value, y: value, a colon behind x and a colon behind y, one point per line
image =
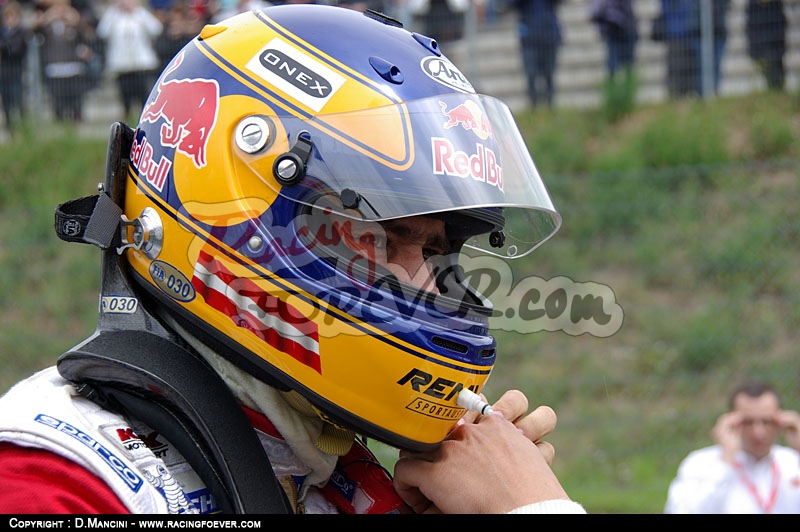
x: 480, y: 166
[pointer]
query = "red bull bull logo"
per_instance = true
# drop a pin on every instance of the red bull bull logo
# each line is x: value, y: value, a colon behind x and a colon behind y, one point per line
x: 469, y: 116
x: 188, y: 108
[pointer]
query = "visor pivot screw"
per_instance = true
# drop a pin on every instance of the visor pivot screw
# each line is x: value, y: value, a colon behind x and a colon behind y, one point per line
x: 497, y: 239
x: 253, y: 134
x: 290, y: 167
x: 350, y: 198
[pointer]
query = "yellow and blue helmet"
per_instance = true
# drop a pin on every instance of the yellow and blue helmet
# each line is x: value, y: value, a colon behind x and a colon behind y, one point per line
x: 264, y: 142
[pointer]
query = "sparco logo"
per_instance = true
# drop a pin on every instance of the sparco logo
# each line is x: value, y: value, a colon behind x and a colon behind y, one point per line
x: 117, y: 465
x: 298, y: 75
x: 446, y: 73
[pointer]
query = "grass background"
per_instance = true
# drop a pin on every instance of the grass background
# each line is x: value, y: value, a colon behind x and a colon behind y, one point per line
x: 688, y: 211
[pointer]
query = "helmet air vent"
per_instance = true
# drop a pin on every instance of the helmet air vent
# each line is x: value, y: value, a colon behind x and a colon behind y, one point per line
x: 487, y: 353
x: 209, y: 30
x: 386, y: 70
x: 428, y: 43
x: 449, y: 344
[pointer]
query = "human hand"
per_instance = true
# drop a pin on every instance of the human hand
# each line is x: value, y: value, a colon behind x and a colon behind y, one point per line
x: 490, y: 465
x: 513, y: 405
x: 789, y: 422
x: 727, y: 432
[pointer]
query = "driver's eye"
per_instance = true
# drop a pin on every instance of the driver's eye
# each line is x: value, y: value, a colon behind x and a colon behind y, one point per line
x: 428, y: 253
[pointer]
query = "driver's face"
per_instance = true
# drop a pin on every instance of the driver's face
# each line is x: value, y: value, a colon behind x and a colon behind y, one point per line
x: 404, y: 245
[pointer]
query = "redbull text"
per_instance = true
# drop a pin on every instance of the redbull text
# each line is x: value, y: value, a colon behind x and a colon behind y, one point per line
x: 142, y: 159
x: 480, y: 166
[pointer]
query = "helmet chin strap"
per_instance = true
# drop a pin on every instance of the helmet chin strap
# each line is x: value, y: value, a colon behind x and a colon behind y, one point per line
x: 135, y: 366
x: 334, y: 439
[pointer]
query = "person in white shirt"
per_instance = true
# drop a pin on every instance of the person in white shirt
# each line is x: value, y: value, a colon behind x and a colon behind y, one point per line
x: 130, y: 30
x: 746, y: 471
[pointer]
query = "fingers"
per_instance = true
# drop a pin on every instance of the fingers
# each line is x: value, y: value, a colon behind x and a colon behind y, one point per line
x: 787, y: 419
x: 727, y: 424
x: 538, y: 423
x: 408, y: 474
x: 487, y: 466
x: 727, y: 434
x: 547, y: 450
x: 513, y: 404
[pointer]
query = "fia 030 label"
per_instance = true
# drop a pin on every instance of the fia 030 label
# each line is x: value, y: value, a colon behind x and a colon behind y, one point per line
x: 114, y: 304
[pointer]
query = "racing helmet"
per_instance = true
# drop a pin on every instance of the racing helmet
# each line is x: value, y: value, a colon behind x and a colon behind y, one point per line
x: 271, y: 152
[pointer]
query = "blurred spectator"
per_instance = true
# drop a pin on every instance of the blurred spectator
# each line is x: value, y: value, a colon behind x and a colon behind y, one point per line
x: 489, y: 11
x: 400, y: 10
x: 442, y: 20
x: 719, y: 14
x: 161, y: 8
x: 745, y: 471
x: 64, y: 57
x: 202, y: 8
x: 228, y: 8
x: 681, y: 32
x: 88, y: 30
x: 86, y: 10
x: 181, y: 25
x: 363, y: 5
x: 222, y: 9
x: 13, y: 52
x: 766, y: 35
x: 129, y: 30
x: 617, y: 23
x: 540, y: 37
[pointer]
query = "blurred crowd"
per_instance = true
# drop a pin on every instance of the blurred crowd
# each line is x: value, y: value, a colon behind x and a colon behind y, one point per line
x: 681, y: 25
x: 76, y: 44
